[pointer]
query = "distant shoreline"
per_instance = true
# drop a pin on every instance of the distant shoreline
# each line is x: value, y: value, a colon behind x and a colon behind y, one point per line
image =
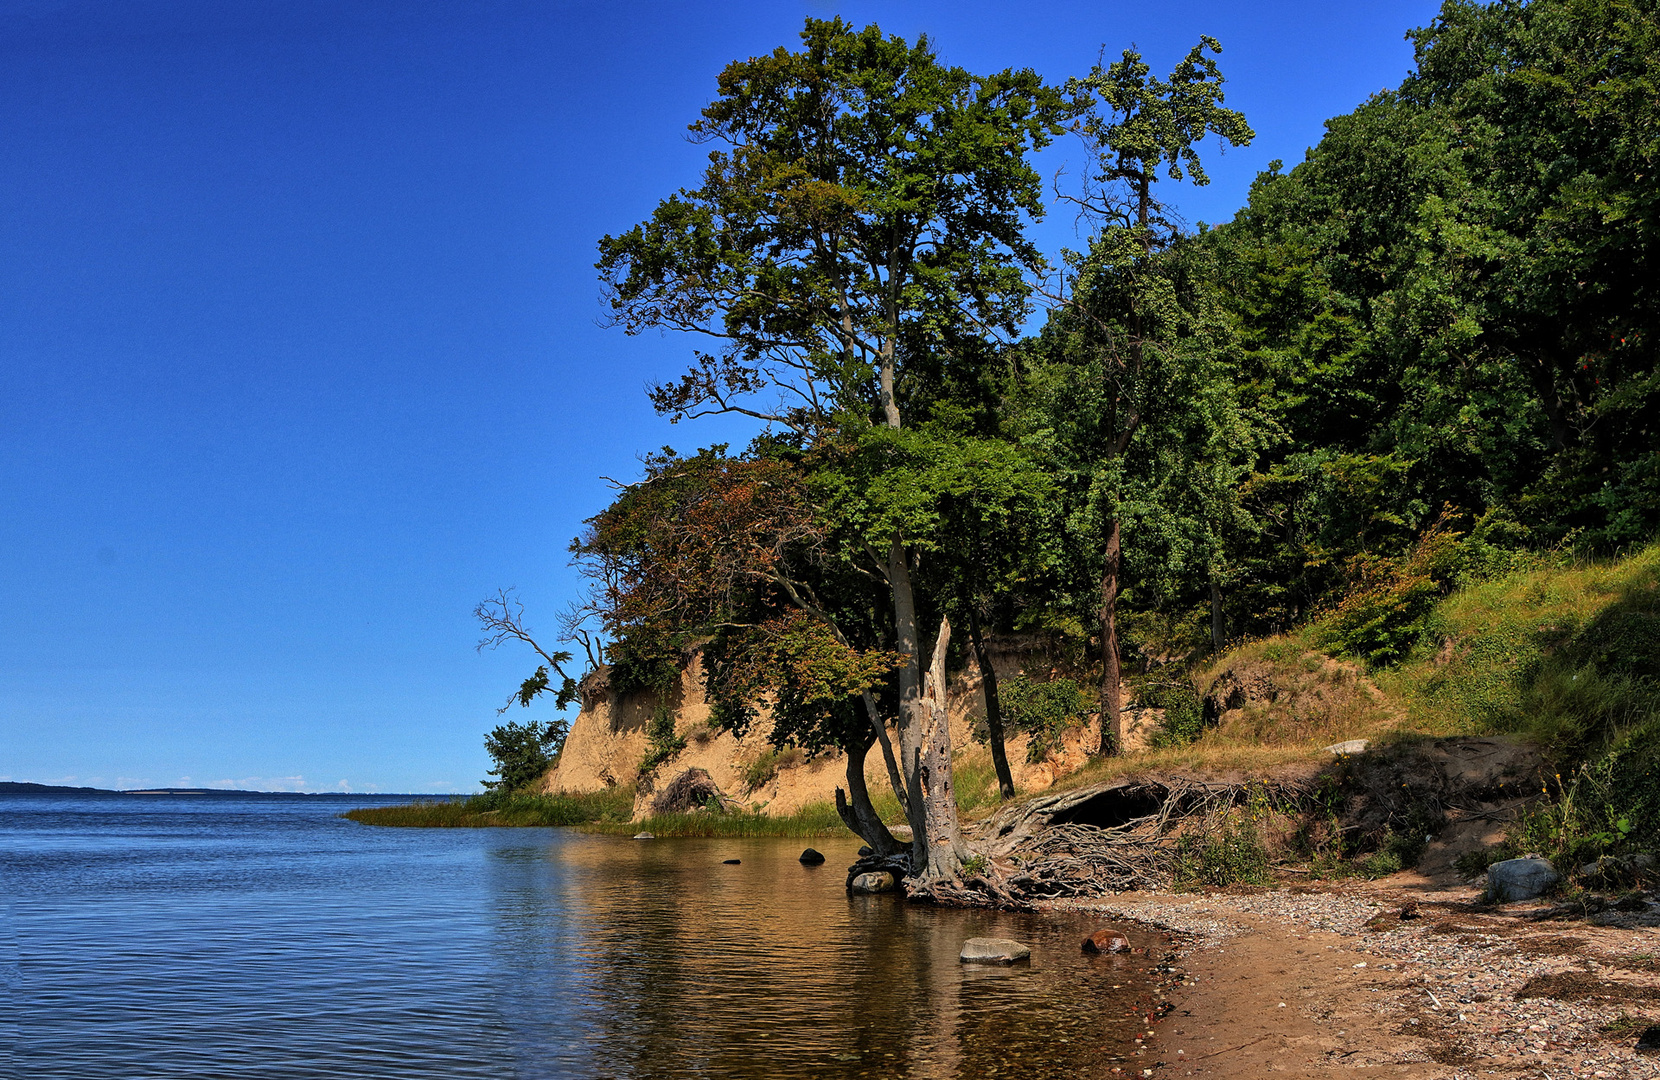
x: 9, y: 787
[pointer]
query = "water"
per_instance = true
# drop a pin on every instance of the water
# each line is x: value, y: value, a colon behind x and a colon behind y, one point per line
x: 171, y: 936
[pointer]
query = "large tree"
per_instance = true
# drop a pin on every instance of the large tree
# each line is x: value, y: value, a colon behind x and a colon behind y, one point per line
x: 865, y: 204
x: 1127, y: 401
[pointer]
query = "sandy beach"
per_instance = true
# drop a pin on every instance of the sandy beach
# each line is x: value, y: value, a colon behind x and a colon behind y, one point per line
x: 1308, y: 981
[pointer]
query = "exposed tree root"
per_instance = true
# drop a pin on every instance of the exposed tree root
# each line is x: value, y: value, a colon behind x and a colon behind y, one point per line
x: 1105, y: 838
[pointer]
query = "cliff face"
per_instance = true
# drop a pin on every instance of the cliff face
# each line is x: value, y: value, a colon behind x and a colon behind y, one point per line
x: 608, y: 740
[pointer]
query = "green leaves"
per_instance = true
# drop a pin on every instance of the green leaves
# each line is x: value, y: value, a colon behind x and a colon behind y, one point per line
x: 861, y: 195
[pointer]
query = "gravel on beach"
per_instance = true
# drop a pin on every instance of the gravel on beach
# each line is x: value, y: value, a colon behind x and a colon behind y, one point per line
x: 1455, y: 989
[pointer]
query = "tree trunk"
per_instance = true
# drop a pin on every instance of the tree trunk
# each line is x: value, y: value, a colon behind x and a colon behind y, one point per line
x: 855, y: 807
x: 931, y: 806
x: 994, y: 707
x: 1218, y: 632
x: 1112, y: 718
x: 895, y: 781
x: 942, y: 854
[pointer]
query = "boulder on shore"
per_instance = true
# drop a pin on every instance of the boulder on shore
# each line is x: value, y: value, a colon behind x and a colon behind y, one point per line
x: 877, y: 882
x: 1520, y: 879
x: 989, y: 950
x: 1107, y: 941
x: 812, y: 856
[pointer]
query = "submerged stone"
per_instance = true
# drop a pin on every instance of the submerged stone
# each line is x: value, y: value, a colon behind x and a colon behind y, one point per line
x: 1106, y: 941
x: 812, y: 856
x: 990, y: 950
x: 644, y: 836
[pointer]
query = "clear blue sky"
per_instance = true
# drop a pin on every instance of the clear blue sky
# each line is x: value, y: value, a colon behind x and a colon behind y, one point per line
x: 299, y: 342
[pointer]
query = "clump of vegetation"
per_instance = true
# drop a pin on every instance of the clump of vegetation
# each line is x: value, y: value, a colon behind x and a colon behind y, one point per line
x: 523, y: 753
x: 816, y: 819
x: 1045, y: 711
x: 663, y: 743
x: 1184, y: 712
x: 1233, y: 854
x: 503, y: 808
x: 767, y: 764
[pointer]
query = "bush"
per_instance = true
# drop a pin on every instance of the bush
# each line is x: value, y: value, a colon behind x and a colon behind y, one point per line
x: 1231, y: 855
x: 523, y: 752
x: 663, y: 742
x: 1184, y: 711
x: 1045, y: 711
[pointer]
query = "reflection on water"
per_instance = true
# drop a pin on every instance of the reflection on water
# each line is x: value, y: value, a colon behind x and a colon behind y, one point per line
x: 269, y: 938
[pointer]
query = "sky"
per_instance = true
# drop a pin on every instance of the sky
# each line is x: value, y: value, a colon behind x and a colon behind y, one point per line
x: 302, y: 351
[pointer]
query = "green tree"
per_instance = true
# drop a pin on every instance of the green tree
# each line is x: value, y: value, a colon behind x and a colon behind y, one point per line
x: 867, y: 205
x: 523, y: 753
x: 1127, y: 400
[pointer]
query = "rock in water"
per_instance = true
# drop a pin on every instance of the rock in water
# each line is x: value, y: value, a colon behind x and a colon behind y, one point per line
x: 864, y: 851
x: 731, y: 862
x: 1106, y: 941
x: 812, y: 857
x: 644, y: 836
x: 879, y: 882
x: 991, y: 950
x: 1520, y: 879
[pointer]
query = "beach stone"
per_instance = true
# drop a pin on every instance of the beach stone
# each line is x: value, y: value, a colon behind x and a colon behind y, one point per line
x: 644, y: 836
x: 990, y: 950
x: 877, y: 882
x: 1349, y: 746
x: 1649, y: 1041
x: 1106, y: 941
x: 1520, y: 879
x: 812, y: 856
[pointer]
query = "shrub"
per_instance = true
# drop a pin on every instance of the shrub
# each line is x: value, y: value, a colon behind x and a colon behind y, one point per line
x: 1231, y: 855
x: 1184, y: 711
x: 1045, y: 711
x: 523, y: 752
x: 663, y: 742
x: 767, y: 764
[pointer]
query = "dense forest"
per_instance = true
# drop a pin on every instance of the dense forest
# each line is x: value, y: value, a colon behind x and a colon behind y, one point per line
x: 1410, y: 362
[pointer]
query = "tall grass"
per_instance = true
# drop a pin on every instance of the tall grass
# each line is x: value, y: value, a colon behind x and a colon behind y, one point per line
x: 815, y: 819
x: 498, y: 809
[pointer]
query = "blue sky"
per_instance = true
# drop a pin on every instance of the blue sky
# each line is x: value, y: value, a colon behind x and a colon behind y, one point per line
x: 300, y: 342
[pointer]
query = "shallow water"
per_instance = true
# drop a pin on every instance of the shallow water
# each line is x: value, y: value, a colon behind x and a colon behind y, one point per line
x: 171, y: 936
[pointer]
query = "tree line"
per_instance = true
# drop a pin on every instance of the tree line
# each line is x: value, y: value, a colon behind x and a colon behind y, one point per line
x: 1428, y: 344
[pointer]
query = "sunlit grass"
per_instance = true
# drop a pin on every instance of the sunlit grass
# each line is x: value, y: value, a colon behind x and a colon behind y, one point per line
x: 492, y: 809
x: 815, y: 819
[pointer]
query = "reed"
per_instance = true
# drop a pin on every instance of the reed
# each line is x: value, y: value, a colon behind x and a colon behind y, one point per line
x: 518, y: 809
x: 815, y: 819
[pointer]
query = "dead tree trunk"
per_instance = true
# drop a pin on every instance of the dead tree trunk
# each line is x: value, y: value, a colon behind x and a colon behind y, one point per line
x: 940, y: 855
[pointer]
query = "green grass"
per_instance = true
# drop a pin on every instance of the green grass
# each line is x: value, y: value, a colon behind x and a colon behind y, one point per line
x: 495, y: 809
x: 1568, y: 656
x: 815, y: 819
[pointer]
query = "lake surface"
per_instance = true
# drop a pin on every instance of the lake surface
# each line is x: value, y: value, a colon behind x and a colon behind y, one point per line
x: 180, y: 936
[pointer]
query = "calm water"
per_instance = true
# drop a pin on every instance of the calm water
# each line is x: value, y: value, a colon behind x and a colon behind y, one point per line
x: 177, y: 937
